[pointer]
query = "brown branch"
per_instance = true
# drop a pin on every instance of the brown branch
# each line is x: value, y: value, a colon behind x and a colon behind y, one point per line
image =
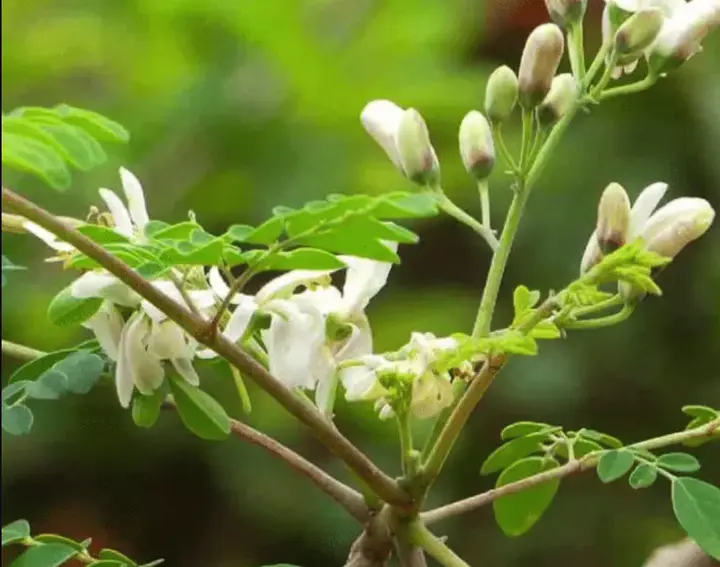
x: 587, y: 462
x: 384, y: 486
x: 685, y: 553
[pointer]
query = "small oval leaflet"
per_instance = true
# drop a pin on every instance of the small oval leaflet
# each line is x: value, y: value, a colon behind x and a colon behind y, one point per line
x: 643, y: 476
x: 678, y: 462
x: 614, y: 464
x: 696, y: 505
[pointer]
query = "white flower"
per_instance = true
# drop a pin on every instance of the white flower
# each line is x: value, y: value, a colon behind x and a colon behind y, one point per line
x: 666, y: 230
x: 131, y: 220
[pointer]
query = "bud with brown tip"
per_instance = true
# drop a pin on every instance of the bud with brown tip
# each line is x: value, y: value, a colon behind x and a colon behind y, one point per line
x: 540, y: 59
x: 417, y: 155
x: 613, y: 218
x: 477, y: 149
x: 501, y: 94
x: 566, y: 12
x: 563, y: 94
x: 637, y: 33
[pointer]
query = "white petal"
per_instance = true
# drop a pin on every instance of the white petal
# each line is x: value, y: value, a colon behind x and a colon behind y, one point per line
x: 324, y: 372
x: 123, y: 370
x: 365, y: 278
x: 106, y: 286
x: 240, y: 319
x: 430, y: 395
x: 326, y: 299
x: 677, y: 211
x: 643, y: 207
x: 135, y: 198
x: 186, y: 369
x: 120, y: 214
x: 205, y: 353
x: 292, y: 342
x: 358, y: 344
x: 288, y: 282
x: 167, y: 341
x: 201, y: 299
x: 361, y: 381
x: 107, y: 325
x: 146, y: 370
x: 381, y: 119
x: 47, y: 237
x: 592, y: 254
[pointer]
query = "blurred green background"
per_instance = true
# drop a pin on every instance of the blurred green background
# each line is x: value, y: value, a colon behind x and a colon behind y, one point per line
x: 237, y: 106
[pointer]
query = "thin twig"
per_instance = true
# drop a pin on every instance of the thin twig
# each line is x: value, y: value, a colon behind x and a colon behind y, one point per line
x: 20, y: 351
x: 587, y: 462
x: 384, y: 486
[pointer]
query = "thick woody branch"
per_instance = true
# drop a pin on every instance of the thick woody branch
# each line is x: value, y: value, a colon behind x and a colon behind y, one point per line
x: 587, y: 462
x: 685, y: 553
x: 385, y: 487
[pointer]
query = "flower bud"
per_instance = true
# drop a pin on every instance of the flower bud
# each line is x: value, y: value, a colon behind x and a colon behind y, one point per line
x: 540, y: 59
x: 476, y: 145
x: 637, y: 34
x: 682, y: 34
x: 613, y: 218
x: 563, y: 94
x: 501, y: 94
x: 404, y: 137
x: 677, y: 224
x: 566, y: 12
x: 417, y: 155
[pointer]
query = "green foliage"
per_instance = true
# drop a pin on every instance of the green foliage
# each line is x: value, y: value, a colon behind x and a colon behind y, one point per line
x: 702, y: 415
x: 614, y: 464
x: 48, y: 378
x: 200, y: 413
x: 678, y: 462
x: 522, y: 428
x: 146, y: 408
x: 517, y: 513
x: 697, y: 508
x: 15, y: 531
x: 516, y: 449
x: 44, y: 141
x: 643, y: 476
x: 45, y: 555
x: 524, y: 301
x: 65, y: 309
x: 8, y: 266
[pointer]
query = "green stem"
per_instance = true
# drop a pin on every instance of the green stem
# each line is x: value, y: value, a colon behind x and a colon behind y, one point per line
x: 20, y: 351
x: 500, y: 144
x: 613, y: 301
x: 424, y: 538
x: 457, y: 213
x: 605, y: 78
x: 459, y: 387
x: 527, y: 138
x: 576, y: 50
x: 632, y: 88
x: 607, y: 321
x: 596, y: 64
x: 483, y: 189
x: 406, y: 444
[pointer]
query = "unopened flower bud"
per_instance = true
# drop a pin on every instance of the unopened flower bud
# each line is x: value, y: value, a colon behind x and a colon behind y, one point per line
x: 563, y: 94
x: 540, y: 59
x: 417, y: 155
x: 613, y: 218
x: 566, y: 12
x: 501, y: 94
x: 682, y: 34
x: 637, y: 33
x: 677, y: 224
x: 404, y: 137
x: 476, y: 145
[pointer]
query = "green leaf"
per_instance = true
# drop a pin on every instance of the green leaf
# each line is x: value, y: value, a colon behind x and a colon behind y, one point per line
x: 514, y: 342
x: 53, y: 538
x: 75, y: 145
x: 102, y: 234
x: 95, y: 124
x: 679, y: 462
x: 522, y: 428
x: 65, y: 309
x: 581, y: 447
x: 524, y: 300
x: 116, y: 556
x: 604, y: 438
x: 181, y: 231
x: 200, y: 413
x: 17, y: 420
x: 702, y: 412
x: 513, y: 450
x: 266, y: 233
x: 643, y: 476
x: 82, y: 370
x: 15, y: 531
x: 184, y: 252
x: 47, y: 555
x: 27, y: 154
x: 108, y: 563
x: 545, y: 330
x: 351, y: 243
x: 49, y: 386
x: 697, y: 509
x: 146, y: 409
x: 517, y: 513
x: 34, y: 368
x: 16, y: 388
x: 614, y: 464
x: 298, y: 259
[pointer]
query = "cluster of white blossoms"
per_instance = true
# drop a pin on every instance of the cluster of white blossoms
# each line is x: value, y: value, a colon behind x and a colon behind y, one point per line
x: 313, y: 328
x: 665, y: 32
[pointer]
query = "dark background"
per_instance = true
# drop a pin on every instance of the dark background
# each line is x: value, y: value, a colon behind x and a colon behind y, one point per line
x: 237, y: 106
